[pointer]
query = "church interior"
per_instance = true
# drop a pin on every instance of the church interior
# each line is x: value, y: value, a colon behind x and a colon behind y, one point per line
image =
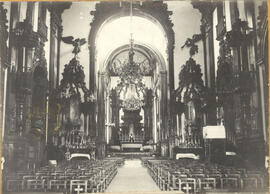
x: 121, y: 96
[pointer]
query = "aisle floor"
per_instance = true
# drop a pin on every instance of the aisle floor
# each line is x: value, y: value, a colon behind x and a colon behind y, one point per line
x: 132, y: 177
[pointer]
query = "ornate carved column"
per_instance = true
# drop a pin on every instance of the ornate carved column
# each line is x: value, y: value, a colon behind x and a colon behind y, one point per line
x: 206, y: 9
x: 239, y: 38
x: 225, y: 91
x: 24, y: 39
x: 56, y: 10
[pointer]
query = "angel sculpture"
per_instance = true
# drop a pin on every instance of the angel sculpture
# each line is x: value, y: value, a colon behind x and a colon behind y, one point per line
x: 191, y: 43
x: 77, y: 43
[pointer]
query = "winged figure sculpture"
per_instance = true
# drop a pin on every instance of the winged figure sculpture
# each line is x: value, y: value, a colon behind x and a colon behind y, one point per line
x: 77, y: 43
x: 191, y: 43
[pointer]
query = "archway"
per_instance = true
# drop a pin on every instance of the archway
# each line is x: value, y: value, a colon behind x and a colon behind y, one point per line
x: 159, y: 17
x: 155, y: 98
x: 108, y: 11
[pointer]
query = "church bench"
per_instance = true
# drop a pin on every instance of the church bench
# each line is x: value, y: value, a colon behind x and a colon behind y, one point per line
x: 225, y: 177
x: 35, y: 185
x: 258, y: 176
x: 187, y: 185
x: 15, y: 185
x: 78, y: 186
x: 201, y: 175
x: 84, y: 177
x: 57, y: 185
x: 46, y: 180
x: 40, y: 174
x: 197, y: 171
x: 229, y: 183
x: 64, y: 177
x: 231, y: 175
x: 206, y: 184
x: 173, y: 179
x: 248, y: 183
x: 101, y: 186
x: 56, y: 174
x: 71, y: 175
x: 22, y: 174
x: 29, y: 177
x: 217, y: 176
x: 98, y: 175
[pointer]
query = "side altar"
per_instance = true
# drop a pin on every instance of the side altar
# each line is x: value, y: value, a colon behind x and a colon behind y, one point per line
x: 74, y: 102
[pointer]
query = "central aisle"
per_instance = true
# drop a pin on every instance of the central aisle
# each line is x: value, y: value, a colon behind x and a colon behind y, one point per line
x: 132, y: 177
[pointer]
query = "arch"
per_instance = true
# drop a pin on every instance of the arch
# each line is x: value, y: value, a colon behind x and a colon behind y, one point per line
x: 111, y: 35
x: 107, y: 11
x: 150, y: 52
x: 161, y: 101
x: 155, y: 11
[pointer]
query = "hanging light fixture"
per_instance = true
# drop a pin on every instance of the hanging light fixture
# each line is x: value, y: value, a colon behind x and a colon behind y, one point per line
x: 131, y: 85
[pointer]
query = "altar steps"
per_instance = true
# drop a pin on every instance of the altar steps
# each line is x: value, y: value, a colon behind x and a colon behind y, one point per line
x: 130, y: 155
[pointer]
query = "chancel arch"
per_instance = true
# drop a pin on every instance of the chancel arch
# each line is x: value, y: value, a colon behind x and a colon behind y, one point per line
x: 109, y: 11
x: 161, y: 48
x: 153, y: 65
x: 147, y: 124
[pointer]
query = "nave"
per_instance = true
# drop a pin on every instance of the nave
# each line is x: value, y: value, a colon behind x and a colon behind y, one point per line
x: 112, y: 81
x: 132, y: 176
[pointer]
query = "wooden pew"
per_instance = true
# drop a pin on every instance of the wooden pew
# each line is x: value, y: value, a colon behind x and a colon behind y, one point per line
x: 78, y: 186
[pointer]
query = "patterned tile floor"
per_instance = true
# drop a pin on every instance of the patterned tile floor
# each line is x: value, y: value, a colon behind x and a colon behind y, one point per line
x: 132, y: 177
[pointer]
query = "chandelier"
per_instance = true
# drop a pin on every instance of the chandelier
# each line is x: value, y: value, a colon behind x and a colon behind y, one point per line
x: 131, y: 86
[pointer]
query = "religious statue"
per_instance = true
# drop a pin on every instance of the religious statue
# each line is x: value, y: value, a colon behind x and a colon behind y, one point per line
x: 77, y: 43
x: 190, y: 43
